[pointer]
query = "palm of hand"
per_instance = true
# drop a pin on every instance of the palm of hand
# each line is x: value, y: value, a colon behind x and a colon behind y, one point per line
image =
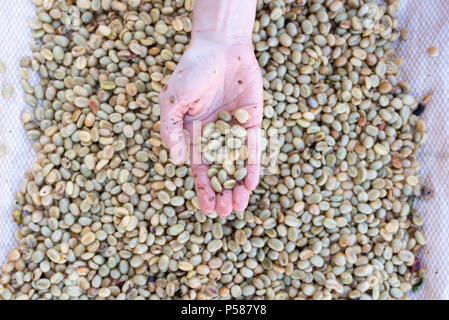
x: 210, y: 79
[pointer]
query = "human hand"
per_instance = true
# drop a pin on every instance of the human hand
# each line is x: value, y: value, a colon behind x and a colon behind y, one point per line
x: 210, y: 78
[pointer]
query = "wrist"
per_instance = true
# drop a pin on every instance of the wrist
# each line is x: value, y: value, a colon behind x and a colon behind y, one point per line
x: 226, y: 22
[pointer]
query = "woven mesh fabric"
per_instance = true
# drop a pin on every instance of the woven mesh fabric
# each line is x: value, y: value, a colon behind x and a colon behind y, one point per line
x: 427, y: 25
x: 14, y: 39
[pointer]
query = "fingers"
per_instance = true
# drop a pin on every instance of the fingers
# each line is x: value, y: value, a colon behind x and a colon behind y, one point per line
x: 253, y: 161
x: 240, y: 198
x: 252, y: 102
x: 205, y: 193
x: 172, y: 125
x: 253, y: 176
x: 224, y: 203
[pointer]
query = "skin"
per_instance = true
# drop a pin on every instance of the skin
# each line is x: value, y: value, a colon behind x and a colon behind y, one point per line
x: 219, y: 72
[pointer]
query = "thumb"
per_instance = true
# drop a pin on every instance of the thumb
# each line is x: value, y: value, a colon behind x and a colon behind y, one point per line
x: 172, y: 125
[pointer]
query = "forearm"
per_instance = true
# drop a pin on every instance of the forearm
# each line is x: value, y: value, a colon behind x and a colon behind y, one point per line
x: 224, y: 21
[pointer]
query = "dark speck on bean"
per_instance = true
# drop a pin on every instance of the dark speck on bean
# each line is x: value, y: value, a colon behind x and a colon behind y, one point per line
x: 420, y: 109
